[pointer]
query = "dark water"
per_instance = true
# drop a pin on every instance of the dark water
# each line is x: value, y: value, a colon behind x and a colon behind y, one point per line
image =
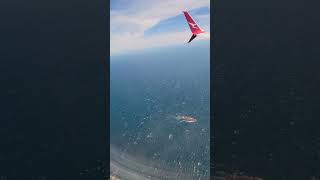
x: 148, y: 91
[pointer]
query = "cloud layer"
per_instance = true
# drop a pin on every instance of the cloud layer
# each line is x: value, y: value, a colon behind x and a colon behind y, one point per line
x: 129, y: 24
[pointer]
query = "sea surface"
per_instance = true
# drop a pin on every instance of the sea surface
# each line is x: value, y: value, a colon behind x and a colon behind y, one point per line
x: 148, y: 91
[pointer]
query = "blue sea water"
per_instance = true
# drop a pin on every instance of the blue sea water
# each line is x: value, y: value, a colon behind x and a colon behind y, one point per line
x: 148, y: 90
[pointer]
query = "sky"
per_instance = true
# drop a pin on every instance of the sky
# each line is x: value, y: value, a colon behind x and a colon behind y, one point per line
x: 144, y: 24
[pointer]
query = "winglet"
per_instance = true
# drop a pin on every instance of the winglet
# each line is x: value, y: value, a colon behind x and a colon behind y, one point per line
x: 194, y: 27
x: 192, y: 37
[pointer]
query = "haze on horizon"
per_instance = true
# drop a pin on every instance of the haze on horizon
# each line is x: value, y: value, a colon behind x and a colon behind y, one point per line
x: 140, y: 24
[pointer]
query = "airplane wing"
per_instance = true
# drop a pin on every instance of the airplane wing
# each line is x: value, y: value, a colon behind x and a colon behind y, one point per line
x: 194, y: 27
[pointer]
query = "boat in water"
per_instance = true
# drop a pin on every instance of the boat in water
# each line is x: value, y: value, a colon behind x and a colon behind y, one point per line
x: 187, y: 119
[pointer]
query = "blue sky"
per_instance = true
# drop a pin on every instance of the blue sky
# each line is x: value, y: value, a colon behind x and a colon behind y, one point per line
x: 145, y: 24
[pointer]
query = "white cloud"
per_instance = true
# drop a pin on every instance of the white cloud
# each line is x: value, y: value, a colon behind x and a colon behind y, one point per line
x: 128, y: 25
